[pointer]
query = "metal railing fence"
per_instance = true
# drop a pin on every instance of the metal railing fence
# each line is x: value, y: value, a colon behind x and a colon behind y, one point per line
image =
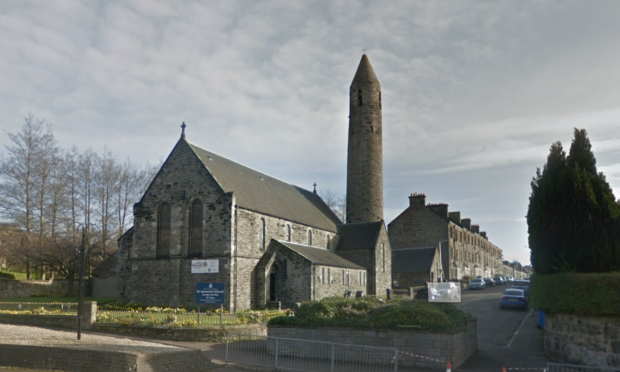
x: 555, y: 367
x: 308, y: 355
x: 40, y: 308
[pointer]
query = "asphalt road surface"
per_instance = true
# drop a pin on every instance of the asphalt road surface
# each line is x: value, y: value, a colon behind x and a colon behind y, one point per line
x: 506, y: 338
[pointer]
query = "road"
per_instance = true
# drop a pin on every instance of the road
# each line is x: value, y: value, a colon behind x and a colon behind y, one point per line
x: 506, y: 338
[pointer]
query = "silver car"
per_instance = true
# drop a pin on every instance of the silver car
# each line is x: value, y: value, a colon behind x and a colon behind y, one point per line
x: 477, y: 283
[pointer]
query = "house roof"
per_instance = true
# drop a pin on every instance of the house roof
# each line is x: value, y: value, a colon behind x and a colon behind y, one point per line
x: 359, y: 235
x: 320, y: 256
x: 413, y: 260
x: 262, y: 193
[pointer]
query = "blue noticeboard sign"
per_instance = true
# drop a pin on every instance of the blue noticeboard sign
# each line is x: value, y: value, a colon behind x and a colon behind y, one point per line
x: 210, y: 293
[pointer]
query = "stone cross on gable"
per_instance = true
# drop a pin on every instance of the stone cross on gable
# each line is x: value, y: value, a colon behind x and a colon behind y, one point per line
x: 314, y: 184
x: 183, y: 129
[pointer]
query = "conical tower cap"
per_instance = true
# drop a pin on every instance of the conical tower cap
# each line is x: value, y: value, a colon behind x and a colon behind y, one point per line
x: 365, y: 74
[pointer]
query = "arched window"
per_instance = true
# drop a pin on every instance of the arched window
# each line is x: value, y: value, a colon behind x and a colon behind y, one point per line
x: 163, y: 230
x: 261, y: 234
x: 329, y: 241
x: 309, y: 237
x: 196, y: 228
x: 288, y: 232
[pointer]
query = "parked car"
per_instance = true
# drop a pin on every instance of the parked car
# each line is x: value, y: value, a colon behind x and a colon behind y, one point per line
x: 477, y: 283
x: 509, y: 279
x: 490, y: 282
x: 523, y: 285
x: 514, y: 298
x: 499, y: 280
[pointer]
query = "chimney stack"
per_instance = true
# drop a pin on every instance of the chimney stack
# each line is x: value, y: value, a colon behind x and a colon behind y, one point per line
x: 455, y: 217
x: 439, y: 208
x: 417, y: 200
x: 475, y: 228
x: 466, y: 223
x: 484, y: 234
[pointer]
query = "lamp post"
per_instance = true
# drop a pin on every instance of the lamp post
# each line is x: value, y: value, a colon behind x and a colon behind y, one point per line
x: 81, y: 283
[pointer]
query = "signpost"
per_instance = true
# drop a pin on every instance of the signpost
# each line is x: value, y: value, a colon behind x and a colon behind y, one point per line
x: 210, y: 294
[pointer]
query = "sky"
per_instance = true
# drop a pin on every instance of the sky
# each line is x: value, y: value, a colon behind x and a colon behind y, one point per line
x: 474, y: 92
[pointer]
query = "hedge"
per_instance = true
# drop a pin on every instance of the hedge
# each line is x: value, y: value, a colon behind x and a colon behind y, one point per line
x: 7, y: 275
x: 596, y: 294
x: 370, y: 312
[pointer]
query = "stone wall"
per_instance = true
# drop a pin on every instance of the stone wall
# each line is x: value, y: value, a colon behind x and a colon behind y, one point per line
x: 590, y: 341
x: 204, y: 334
x: 456, y: 348
x: 47, y: 288
x: 332, y: 281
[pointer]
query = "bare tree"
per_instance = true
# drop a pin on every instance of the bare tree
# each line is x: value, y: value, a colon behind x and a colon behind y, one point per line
x: 24, y: 174
x: 338, y: 204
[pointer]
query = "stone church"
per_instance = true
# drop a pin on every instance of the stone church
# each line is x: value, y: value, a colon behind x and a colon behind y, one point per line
x: 264, y: 239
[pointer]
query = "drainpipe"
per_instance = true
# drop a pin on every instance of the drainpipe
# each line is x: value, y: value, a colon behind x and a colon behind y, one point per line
x: 313, y: 271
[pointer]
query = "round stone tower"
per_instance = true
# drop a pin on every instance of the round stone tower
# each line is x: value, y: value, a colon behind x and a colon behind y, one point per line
x: 365, y: 156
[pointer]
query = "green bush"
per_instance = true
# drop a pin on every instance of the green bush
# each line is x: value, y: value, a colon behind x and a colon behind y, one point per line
x: 370, y: 312
x: 596, y: 294
x: 7, y: 275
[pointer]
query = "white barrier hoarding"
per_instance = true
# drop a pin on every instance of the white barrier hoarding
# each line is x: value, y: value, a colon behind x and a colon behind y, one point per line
x: 205, y: 266
x: 444, y: 292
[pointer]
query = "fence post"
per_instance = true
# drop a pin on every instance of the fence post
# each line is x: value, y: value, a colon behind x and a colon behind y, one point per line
x: 227, y: 344
x: 395, y: 360
x: 333, y: 357
x: 276, y: 360
x: 221, y: 312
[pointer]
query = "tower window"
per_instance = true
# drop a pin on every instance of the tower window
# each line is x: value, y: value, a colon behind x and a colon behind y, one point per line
x: 163, y: 230
x: 379, y: 99
x: 309, y: 237
x: 372, y: 129
x: 329, y: 241
x: 383, y: 253
x: 196, y: 228
x: 288, y: 233
x: 359, y: 96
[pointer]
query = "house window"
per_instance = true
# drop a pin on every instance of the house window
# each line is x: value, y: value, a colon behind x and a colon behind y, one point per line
x: 288, y: 232
x: 196, y: 220
x: 163, y: 230
x: 261, y: 234
x: 309, y: 237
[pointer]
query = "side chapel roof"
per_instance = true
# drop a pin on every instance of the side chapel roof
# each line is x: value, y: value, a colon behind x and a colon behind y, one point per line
x: 320, y: 256
x: 262, y: 193
x: 362, y: 235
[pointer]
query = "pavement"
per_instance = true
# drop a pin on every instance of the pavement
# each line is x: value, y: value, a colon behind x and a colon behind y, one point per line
x: 507, y: 338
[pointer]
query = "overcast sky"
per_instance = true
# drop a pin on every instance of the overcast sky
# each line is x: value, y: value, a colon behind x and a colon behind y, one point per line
x: 474, y: 92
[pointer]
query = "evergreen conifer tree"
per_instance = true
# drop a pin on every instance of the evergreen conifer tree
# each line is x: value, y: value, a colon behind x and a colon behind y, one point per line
x: 573, y: 217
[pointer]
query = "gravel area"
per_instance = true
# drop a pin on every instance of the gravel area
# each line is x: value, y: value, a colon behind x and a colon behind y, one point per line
x: 34, y: 336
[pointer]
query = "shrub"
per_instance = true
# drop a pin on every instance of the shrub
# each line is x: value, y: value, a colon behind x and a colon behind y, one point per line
x: 7, y: 275
x: 595, y: 294
x: 370, y: 312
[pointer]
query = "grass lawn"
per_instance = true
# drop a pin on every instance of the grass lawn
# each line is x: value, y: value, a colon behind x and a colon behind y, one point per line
x: 100, y: 300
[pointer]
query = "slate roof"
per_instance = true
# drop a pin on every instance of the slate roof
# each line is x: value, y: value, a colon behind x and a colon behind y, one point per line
x: 320, y: 256
x: 412, y: 260
x: 359, y: 235
x: 262, y: 193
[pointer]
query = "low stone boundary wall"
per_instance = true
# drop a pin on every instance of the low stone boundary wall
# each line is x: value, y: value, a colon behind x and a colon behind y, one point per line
x: 207, y: 334
x: 47, y: 321
x: 456, y: 348
x: 590, y: 341
x: 80, y: 360
x: 47, y: 288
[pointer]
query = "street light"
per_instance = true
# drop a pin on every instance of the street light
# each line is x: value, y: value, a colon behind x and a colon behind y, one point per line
x: 81, y: 282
